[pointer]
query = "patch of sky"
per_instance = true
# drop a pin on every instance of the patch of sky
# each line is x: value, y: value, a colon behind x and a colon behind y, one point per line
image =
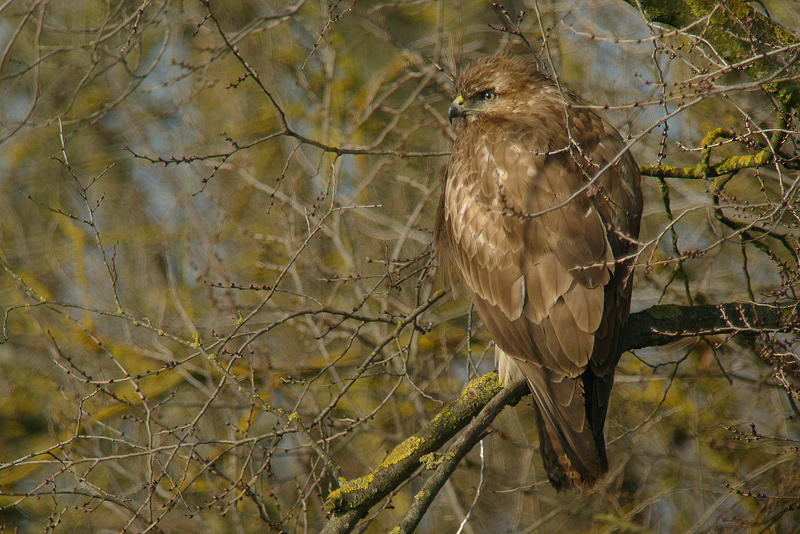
x: 617, y: 73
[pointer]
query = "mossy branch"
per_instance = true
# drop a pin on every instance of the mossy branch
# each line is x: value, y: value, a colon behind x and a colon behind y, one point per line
x: 701, y: 171
x: 446, y: 465
x: 654, y: 326
x: 740, y: 34
x: 728, y: 166
x: 354, y: 497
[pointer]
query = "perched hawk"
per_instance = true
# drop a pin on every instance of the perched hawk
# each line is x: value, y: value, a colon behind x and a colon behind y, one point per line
x: 538, y: 223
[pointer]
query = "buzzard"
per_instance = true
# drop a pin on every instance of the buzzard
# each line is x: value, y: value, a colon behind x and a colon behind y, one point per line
x: 538, y: 223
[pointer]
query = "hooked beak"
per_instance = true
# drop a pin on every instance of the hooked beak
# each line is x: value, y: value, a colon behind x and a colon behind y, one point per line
x: 457, y: 109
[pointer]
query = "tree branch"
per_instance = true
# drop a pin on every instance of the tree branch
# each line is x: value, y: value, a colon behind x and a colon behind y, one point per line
x: 448, y: 463
x: 654, y: 326
x: 664, y: 324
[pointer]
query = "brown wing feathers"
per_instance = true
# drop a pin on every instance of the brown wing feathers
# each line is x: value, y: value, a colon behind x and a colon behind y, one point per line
x: 553, y: 289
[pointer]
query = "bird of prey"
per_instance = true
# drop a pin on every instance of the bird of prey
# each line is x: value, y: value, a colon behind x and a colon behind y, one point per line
x: 538, y: 223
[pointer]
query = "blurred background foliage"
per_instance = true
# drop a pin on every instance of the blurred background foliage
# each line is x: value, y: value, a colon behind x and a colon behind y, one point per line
x: 215, y: 233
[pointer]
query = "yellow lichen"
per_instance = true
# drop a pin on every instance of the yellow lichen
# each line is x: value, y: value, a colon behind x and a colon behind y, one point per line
x: 713, y: 135
x: 403, y: 451
x: 740, y: 9
x: 336, y: 501
x: 430, y: 460
x: 701, y: 8
x: 784, y: 36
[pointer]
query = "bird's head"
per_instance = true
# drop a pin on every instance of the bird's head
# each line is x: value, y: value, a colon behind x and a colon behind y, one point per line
x: 496, y: 86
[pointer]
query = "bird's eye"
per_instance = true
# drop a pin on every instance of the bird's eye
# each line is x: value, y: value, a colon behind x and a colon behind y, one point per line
x: 488, y: 96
